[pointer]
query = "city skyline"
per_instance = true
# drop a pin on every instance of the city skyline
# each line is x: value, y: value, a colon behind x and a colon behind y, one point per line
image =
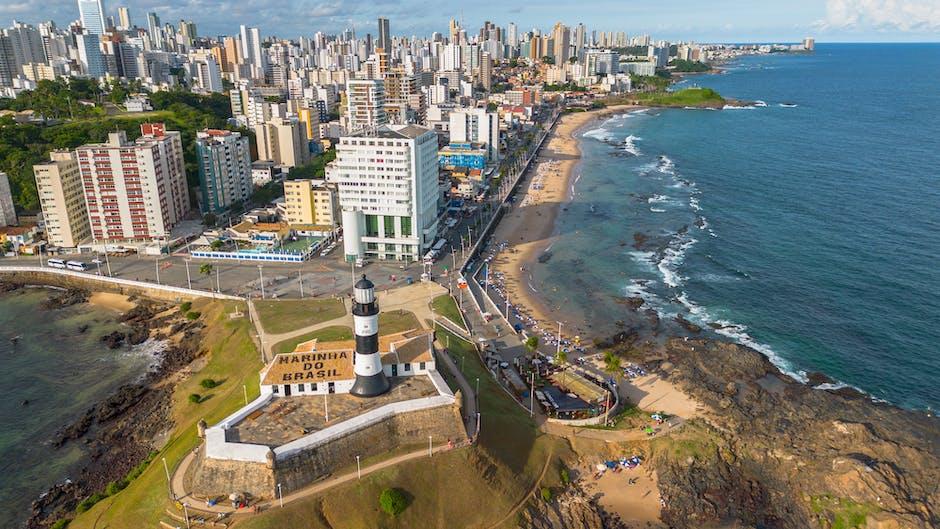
x: 729, y: 21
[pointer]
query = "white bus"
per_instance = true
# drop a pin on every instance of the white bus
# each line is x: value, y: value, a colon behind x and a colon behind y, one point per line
x: 55, y: 263
x: 76, y: 265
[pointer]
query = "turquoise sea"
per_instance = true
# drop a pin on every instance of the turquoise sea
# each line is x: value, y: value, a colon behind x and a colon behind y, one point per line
x: 61, y: 371
x: 807, y: 226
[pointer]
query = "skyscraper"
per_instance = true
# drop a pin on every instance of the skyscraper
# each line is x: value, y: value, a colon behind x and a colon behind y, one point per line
x: 90, y: 56
x: 124, y: 16
x: 92, y: 16
x: 385, y: 38
x: 562, y: 37
x: 224, y: 169
x: 153, y: 28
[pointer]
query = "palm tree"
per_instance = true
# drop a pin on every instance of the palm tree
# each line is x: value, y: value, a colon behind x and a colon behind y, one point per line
x: 560, y: 358
x: 532, y: 344
x: 206, y: 269
x: 611, y: 367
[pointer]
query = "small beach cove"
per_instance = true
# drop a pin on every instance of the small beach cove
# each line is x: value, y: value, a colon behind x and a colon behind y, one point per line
x: 57, y: 368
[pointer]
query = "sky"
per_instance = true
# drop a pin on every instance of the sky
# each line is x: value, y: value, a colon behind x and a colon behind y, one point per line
x: 697, y: 20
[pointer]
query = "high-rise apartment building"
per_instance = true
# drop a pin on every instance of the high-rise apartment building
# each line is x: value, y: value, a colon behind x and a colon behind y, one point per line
x: 62, y: 198
x: 476, y: 125
x: 224, y: 159
x: 365, y: 104
x: 387, y: 184
x: 385, y: 38
x: 124, y: 18
x: 283, y: 140
x: 562, y: 37
x: 154, y: 31
x: 310, y: 203
x: 135, y: 191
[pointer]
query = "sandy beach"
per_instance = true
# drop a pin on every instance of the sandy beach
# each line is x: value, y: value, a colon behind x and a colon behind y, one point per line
x: 530, y: 225
x: 110, y: 300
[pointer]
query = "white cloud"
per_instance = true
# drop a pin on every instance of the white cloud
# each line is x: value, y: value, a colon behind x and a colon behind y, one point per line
x: 15, y: 8
x: 900, y: 15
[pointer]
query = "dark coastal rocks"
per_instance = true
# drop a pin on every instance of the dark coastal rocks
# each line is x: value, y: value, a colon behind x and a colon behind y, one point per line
x: 688, y: 325
x: 571, y: 510
x: 65, y: 298
x: 778, y: 453
x: 113, y: 340
x: 118, y: 432
x: 639, y: 240
x: 634, y: 303
x: 8, y: 286
x: 815, y: 378
x: 544, y: 257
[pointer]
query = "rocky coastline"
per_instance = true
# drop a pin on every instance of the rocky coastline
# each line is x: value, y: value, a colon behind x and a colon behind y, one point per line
x: 122, y: 430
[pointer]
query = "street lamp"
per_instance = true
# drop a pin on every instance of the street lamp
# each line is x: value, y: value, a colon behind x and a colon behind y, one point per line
x: 169, y: 485
x: 261, y: 274
x: 280, y: 496
x: 358, y: 468
x: 189, y: 281
x: 156, y: 265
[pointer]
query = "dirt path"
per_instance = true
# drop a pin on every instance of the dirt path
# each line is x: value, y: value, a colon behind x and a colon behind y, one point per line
x: 535, y: 487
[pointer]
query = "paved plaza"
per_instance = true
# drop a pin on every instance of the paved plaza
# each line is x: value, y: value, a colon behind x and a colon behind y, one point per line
x: 287, y: 419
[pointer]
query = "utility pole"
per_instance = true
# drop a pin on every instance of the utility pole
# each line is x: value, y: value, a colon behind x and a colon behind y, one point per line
x: 261, y: 275
x: 156, y: 264
x: 189, y: 281
x: 300, y: 275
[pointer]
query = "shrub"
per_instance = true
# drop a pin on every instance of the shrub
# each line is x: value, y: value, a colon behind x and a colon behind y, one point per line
x: 184, y: 308
x: 89, y: 502
x: 195, y: 398
x: 546, y: 494
x: 193, y: 315
x: 208, y: 383
x: 565, y: 476
x: 393, y: 501
x: 61, y: 524
x: 115, y: 486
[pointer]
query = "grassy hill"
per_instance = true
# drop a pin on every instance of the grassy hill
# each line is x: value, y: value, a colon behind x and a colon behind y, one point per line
x: 478, y: 486
x: 232, y: 358
x: 687, y: 97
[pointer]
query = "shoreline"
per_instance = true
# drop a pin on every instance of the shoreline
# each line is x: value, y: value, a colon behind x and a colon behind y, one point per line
x: 531, y: 226
x: 117, y: 431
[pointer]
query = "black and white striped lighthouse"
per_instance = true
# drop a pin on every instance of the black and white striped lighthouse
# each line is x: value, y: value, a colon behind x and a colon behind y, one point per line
x: 370, y: 380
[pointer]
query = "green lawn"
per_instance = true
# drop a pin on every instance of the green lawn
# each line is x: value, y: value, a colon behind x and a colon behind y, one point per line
x: 232, y: 359
x: 389, y: 323
x: 280, y: 316
x: 679, y: 98
x: 397, y: 321
x: 326, y: 334
x: 447, y: 307
x: 473, y: 487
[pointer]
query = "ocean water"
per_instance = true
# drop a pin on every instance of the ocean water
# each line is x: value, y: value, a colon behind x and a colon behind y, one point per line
x: 61, y: 371
x: 807, y: 227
